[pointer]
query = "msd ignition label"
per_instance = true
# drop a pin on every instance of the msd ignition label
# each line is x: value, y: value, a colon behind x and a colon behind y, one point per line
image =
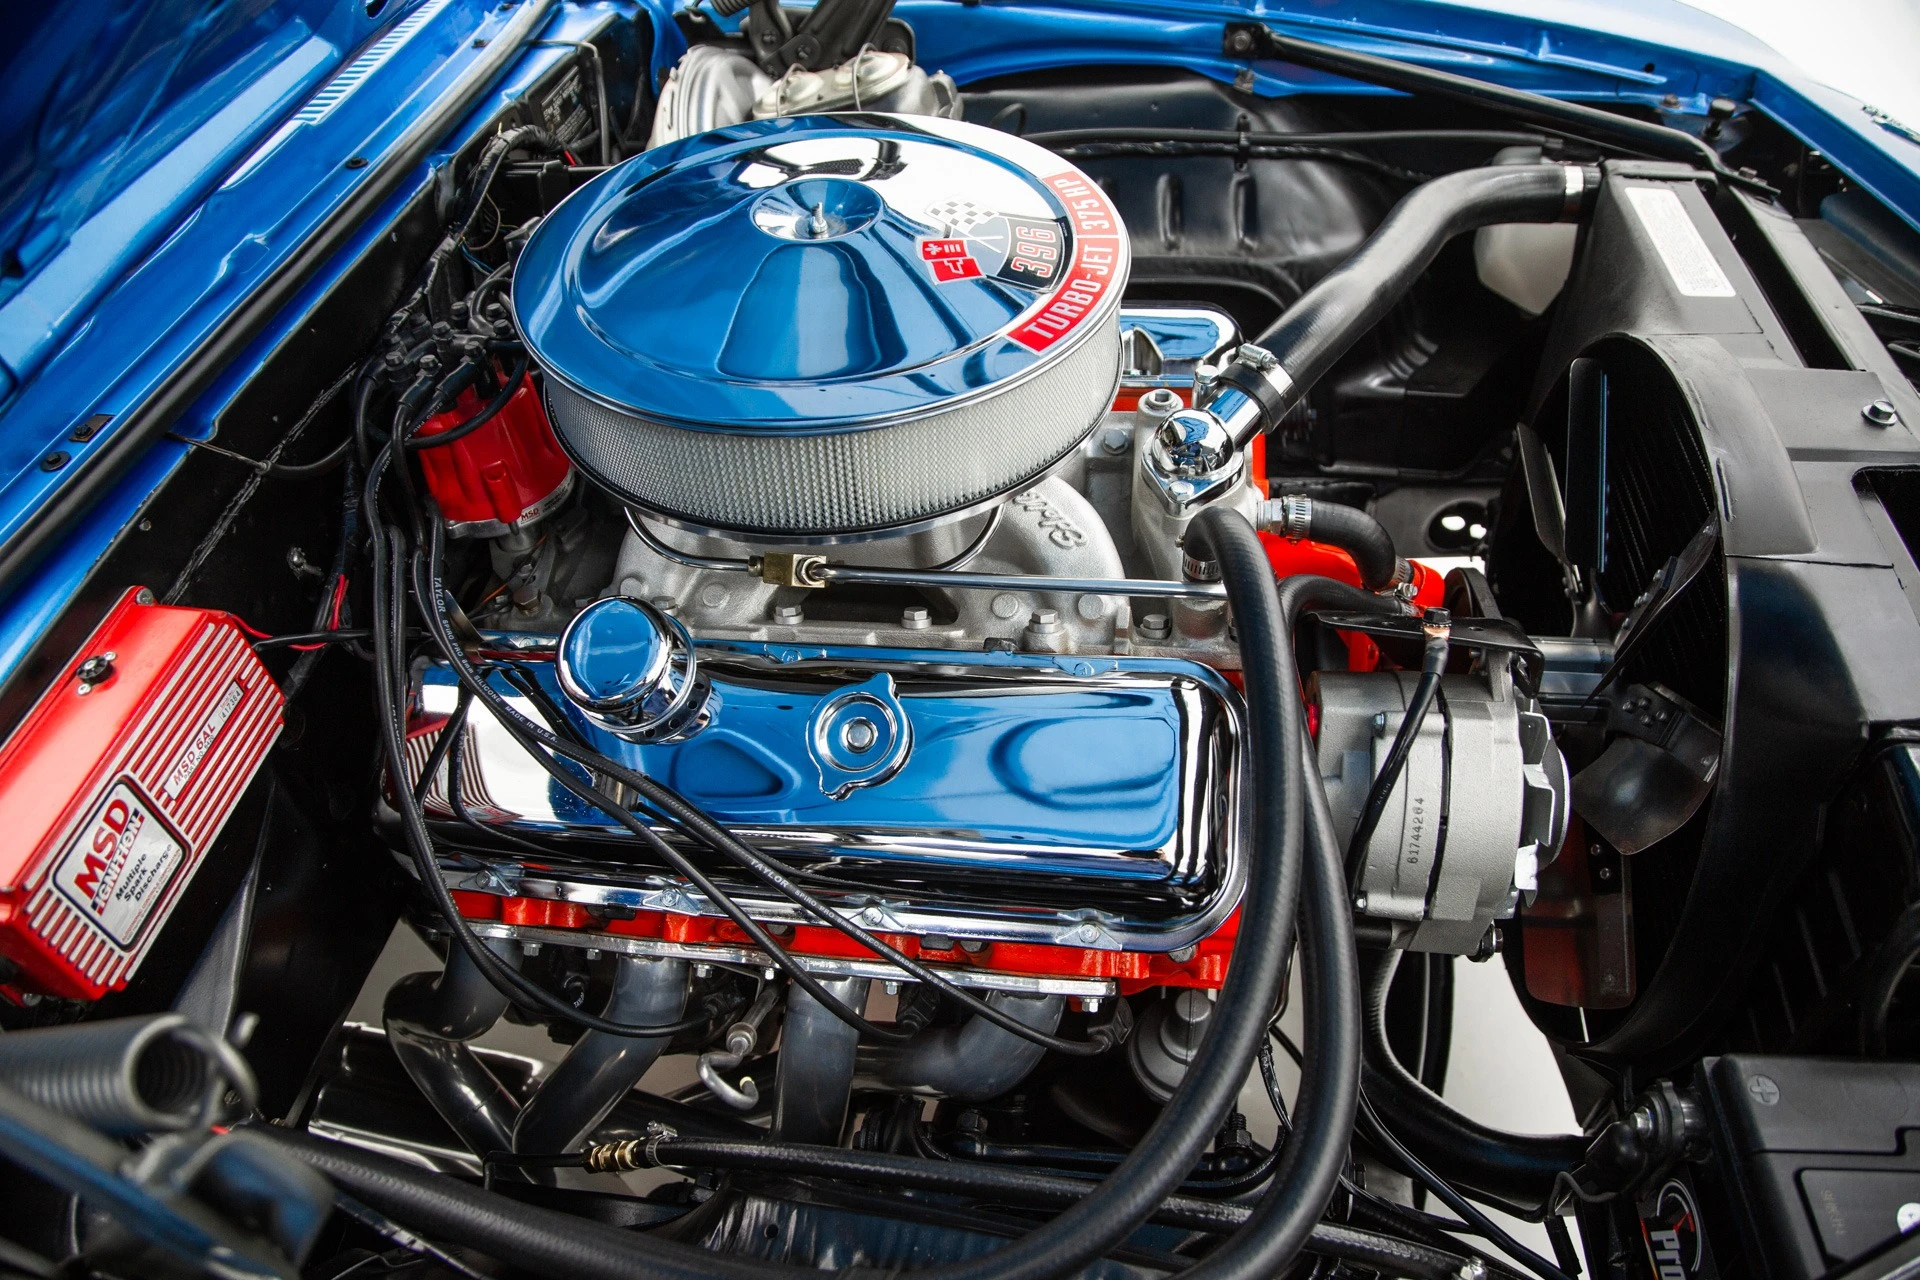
x: 119, y: 866
x: 197, y: 746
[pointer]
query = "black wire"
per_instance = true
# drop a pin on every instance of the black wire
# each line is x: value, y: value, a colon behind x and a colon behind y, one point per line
x: 455, y: 725
x: 1272, y: 1083
x: 521, y: 679
x: 1459, y: 1203
x: 389, y: 592
x: 318, y: 467
x: 362, y: 418
x: 405, y: 422
x: 332, y: 604
x: 479, y: 418
x: 1411, y: 1217
x: 531, y: 737
x: 1434, y: 663
x: 696, y: 823
x: 334, y: 636
x: 485, y: 169
x: 1563, y: 1250
x: 1422, y: 1228
x: 456, y: 755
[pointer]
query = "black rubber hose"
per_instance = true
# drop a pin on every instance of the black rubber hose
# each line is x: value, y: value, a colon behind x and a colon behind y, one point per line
x: 1450, y: 1196
x: 1575, y: 119
x: 1304, y: 592
x: 1319, y: 328
x: 960, y: 1177
x: 1516, y: 1169
x: 1360, y: 536
x: 550, y: 1243
x: 542, y: 1241
x: 994, y: 1183
x: 1185, y: 1126
x: 1315, y: 1152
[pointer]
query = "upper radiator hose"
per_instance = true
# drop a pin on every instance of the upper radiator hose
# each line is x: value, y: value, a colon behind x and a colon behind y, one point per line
x: 1264, y: 381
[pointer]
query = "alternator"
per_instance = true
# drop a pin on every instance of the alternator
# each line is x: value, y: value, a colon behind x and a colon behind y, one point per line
x: 1480, y: 805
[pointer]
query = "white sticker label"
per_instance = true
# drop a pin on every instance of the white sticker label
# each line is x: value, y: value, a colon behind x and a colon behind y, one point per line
x: 196, y: 749
x: 1679, y: 244
x: 120, y: 864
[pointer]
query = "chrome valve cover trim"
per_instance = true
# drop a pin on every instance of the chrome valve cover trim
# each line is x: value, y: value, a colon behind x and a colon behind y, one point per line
x: 1074, y: 800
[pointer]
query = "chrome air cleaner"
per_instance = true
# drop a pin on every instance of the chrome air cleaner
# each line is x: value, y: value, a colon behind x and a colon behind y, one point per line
x: 827, y: 326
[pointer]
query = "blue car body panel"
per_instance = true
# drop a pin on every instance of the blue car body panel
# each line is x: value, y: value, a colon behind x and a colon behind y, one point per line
x: 139, y: 212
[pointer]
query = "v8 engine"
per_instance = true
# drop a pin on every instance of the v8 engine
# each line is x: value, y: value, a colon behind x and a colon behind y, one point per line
x: 853, y: 380
x: 892, y: 636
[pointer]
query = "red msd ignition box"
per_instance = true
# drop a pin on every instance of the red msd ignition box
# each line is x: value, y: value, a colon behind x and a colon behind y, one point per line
x: 115, y: 785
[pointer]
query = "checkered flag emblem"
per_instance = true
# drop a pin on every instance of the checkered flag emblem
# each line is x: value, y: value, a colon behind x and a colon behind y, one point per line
x: 959, y: 216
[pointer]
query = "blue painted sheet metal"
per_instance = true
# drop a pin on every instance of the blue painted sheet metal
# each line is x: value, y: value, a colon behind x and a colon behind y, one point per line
x: 1600, y: 51
x: 132, y: 109
x: 113, y: 364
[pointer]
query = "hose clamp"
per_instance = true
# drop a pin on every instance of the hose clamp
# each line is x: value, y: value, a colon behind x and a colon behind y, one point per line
x: 1197, y: 569
x: 1576, y: 190
x: 1267, y: 365
x: 656, y: 1133
x: 1401, y: 586
x: 1295, y: 512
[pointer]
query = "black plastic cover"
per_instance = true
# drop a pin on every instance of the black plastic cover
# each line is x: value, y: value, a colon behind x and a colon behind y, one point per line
x: 1820, y: 1155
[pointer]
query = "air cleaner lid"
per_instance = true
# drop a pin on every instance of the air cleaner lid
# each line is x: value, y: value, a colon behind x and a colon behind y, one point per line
x: 819, y: 273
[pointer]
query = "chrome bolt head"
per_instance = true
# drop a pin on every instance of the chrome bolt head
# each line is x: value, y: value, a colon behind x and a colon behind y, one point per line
x: 1880, y: 413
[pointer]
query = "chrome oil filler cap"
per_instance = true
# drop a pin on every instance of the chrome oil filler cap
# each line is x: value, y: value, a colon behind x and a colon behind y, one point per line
x: 824, y: 328
x: 631, y: 670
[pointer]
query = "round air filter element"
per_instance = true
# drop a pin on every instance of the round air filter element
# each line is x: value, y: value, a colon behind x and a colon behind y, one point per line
x: 826, y: 327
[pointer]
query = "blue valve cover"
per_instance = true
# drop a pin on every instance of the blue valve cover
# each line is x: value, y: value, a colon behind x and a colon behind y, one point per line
x: 1046, y: 784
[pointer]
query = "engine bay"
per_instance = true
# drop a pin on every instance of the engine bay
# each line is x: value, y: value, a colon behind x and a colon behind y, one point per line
x: 948, y: 611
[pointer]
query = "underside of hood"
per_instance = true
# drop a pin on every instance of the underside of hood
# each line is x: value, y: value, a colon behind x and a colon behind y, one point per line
x: 95, y: 93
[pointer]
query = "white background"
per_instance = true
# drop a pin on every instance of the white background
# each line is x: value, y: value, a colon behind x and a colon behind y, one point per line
x: 1869, y: 49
